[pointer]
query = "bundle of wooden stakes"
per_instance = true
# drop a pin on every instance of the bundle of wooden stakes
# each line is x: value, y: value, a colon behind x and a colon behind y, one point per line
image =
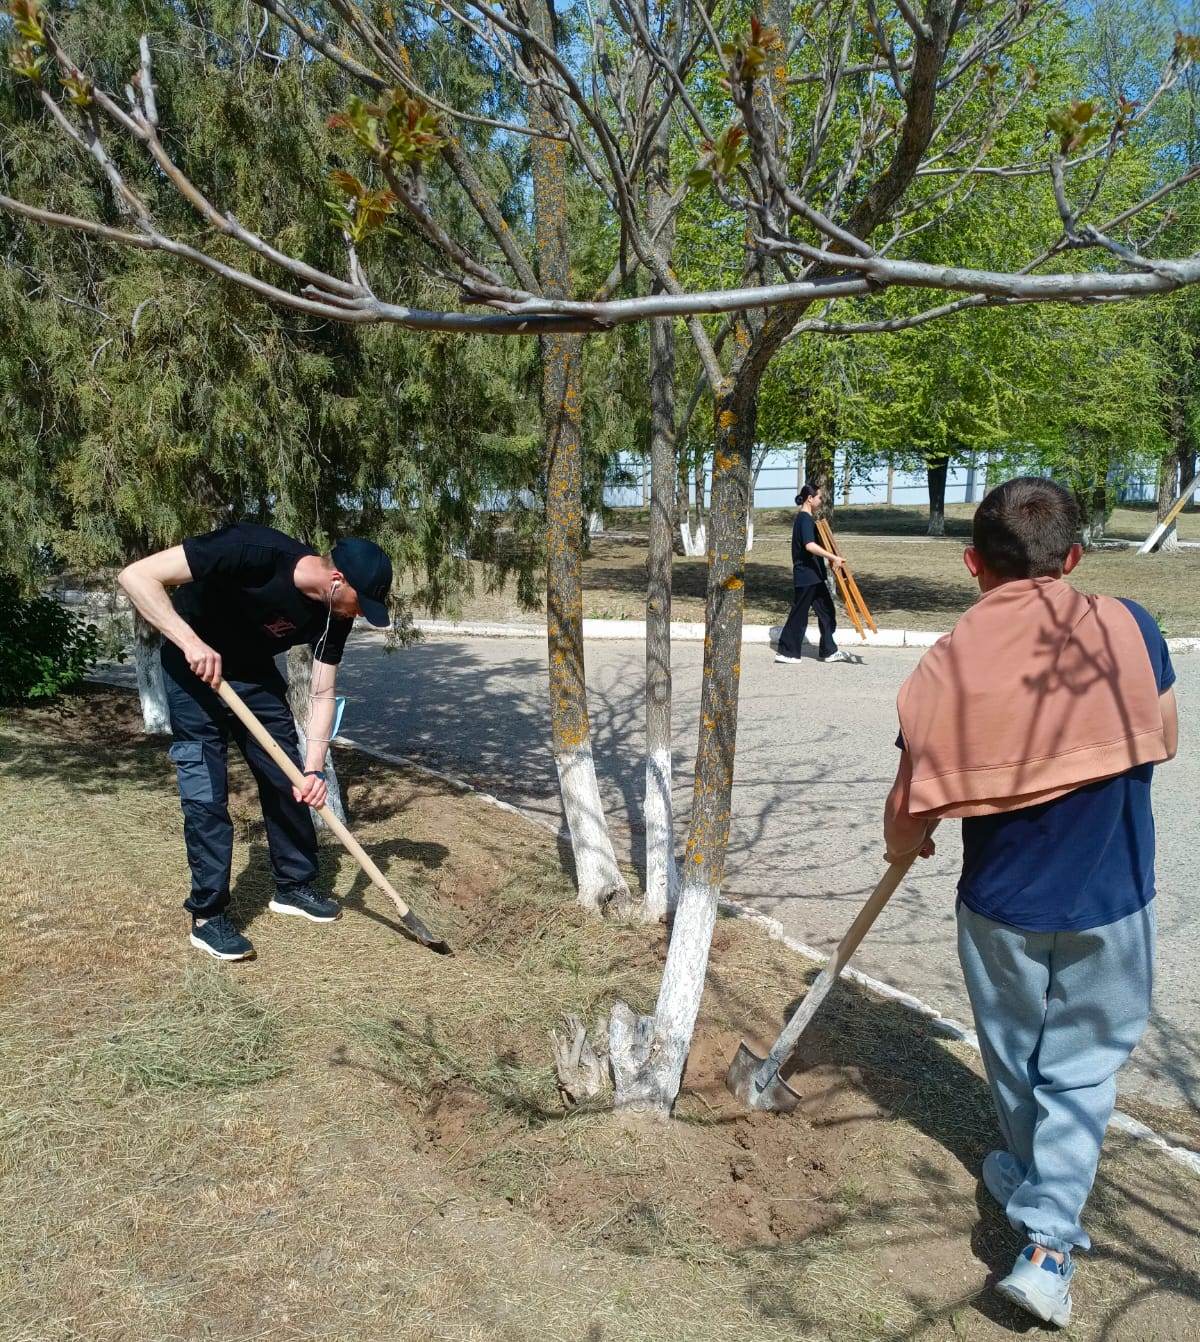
x: 856, y: 607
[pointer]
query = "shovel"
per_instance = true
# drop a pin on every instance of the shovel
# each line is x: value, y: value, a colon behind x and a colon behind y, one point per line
x: 412, y: 923
x: 756, y: 1081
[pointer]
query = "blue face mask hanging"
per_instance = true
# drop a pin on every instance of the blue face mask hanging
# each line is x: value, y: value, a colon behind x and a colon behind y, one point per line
x: 339, y: 707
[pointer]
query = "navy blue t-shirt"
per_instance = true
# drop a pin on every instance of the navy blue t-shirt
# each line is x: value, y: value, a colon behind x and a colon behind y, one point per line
x: 1082, y: 860
x: 807, y: 568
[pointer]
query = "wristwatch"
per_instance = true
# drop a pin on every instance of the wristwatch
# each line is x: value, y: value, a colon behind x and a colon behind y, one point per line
x: 315, y: 773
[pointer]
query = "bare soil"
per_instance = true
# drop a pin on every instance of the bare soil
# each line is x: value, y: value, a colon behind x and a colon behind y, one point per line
x: 351, y: 1138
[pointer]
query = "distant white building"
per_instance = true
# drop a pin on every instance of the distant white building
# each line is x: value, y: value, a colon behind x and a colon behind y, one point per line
x: 782, y: 474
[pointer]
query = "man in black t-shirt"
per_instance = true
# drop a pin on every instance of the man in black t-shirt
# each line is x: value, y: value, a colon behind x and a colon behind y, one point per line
x: 241, y: 595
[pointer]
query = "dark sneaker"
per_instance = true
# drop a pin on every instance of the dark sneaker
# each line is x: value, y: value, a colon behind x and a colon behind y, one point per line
x: 219, y: 937
x: 306, y: 903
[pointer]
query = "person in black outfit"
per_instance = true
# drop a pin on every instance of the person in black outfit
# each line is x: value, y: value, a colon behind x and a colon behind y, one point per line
x: 241, y: 595
x: 808, y: 582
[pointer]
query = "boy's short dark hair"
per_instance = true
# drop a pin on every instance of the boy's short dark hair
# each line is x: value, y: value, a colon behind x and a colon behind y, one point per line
x: 1025, y: 527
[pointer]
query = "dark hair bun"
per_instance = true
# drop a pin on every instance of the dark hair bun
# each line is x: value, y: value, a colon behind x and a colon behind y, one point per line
x: 806, y: 493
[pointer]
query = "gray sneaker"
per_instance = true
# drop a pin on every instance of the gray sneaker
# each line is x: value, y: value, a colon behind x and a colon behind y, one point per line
x: 838, y: 656
x: 1040, y: 1285
x: 1003, y: 1174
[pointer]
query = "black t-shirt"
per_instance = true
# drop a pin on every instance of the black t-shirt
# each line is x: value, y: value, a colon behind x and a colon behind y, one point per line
x: 806, y: 568
x: 243, y: 600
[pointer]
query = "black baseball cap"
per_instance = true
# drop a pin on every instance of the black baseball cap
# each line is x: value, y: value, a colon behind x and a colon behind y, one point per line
x: 369, y: 571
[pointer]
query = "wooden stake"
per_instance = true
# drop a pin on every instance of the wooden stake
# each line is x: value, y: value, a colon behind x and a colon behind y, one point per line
x: 856, y: 606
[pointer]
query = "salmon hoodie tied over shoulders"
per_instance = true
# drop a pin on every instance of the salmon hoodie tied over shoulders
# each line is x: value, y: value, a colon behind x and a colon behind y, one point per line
x: 1038, y: 690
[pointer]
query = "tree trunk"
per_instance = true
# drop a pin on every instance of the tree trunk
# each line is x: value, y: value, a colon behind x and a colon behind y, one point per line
x: 935, y: 472
x: 300, y: 665
x: 699, y: 538
x: 649, y: 1053
x: 598, y: 878
x: 818, y: 470
x: 1187, y: 471
x: 147, y: 644
x: 1093, y: 513
x: 891, y: 484
x: 1166, y: 498
x: 661, y: 878
x: 682, y: 506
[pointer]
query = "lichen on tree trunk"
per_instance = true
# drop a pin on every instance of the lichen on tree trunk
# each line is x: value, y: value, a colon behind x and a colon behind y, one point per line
x: 648, y: 1054
x: 657, y: 808
x: 599, y: 881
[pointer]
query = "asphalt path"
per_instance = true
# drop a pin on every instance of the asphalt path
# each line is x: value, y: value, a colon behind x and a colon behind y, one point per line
x: 816, y: 756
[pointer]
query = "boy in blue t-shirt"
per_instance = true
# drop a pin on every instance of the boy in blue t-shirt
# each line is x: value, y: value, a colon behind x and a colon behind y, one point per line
x: 1056, y: 934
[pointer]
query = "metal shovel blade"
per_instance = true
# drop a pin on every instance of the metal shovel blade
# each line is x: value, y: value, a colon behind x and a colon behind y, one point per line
x: 742, y: 1080
x: 422, y: 934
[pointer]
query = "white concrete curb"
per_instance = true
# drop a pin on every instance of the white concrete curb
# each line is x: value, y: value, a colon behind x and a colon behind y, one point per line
x: 627, y: 630
x: 635, y: 630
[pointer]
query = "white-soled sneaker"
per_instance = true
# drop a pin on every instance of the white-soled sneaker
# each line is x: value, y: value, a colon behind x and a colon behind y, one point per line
x: 304, y: 902
x: 789, y: 661
x: 838, y: 656
x: 1040, y: 1285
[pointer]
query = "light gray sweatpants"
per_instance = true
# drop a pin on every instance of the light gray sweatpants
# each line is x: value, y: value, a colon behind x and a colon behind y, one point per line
x: 1057, y: 1013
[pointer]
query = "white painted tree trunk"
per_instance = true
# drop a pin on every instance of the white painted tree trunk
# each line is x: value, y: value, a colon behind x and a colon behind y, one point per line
x: 147, y: 645
x: 595, y: 523
x: 648, y: 1053
x: 695, y: 543
x: 749, y: 535
x: 600, y: 883
x: 662, y: 879
x: 300, y: 662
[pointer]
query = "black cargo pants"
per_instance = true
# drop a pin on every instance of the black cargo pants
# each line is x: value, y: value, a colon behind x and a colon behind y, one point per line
x: 202, y: 727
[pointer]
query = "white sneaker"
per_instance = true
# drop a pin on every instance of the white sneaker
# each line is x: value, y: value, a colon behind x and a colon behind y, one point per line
x: 1040, y: 1285
x: 780, y: 657
x: 838, y: 656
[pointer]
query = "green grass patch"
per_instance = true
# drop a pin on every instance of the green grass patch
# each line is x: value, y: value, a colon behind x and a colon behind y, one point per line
x: 209, y: 1034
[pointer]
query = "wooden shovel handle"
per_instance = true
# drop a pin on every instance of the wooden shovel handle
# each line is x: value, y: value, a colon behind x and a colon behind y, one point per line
x: 785, y: 1045
x: 264, y: 738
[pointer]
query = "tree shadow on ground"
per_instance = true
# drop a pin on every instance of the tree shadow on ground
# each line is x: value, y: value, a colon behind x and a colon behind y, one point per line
x: 878, y: 1048
x: 770, y: 585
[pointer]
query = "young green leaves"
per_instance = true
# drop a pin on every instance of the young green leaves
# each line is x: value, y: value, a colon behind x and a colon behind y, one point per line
x: 399, y: 129
x: 358, y: 211
x: 1076, y: 125
x: 747, y: 52
x: 745, y: 56
x: 28, y: 58
x: 721, y: 159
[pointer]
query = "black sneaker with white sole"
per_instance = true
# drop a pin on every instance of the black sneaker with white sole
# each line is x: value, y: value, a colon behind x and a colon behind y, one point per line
x: 304, y: 902
x: 219, y: 937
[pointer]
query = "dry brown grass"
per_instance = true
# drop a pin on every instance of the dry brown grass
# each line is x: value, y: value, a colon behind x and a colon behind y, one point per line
x: 379, y: 1151
x: 909, y: 581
